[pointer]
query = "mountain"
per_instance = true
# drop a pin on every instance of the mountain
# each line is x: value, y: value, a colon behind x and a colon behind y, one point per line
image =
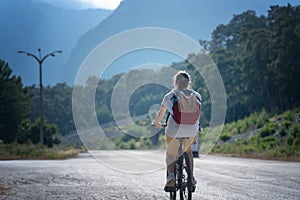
x: 196, y: 19
x: 30, y: 24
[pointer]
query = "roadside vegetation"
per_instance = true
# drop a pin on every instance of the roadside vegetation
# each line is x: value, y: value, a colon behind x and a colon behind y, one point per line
x: 262, y: 135
x: 20, y: 135
x: 141, y: 136
x: 35, y: 151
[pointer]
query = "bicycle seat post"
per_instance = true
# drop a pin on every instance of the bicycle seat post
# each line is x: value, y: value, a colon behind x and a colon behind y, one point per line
x: 180, y: 146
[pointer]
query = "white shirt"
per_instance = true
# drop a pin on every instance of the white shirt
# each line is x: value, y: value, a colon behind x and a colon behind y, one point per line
x: 173, y: 129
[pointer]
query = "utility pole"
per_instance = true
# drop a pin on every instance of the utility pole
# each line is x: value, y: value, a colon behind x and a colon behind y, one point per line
x: 40, y: 60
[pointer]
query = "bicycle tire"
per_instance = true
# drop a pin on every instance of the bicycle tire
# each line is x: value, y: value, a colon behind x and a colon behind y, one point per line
x: 179, y: 170
x: 173, y: 194
x: 189, y: 179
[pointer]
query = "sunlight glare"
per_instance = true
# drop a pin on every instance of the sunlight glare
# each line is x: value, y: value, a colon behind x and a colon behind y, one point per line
x: 105, y: 4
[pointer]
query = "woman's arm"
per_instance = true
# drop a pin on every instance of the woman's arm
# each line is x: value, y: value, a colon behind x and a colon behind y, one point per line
x: 159, y: 116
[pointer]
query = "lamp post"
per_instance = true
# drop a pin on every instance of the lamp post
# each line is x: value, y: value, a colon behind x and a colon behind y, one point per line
x: 40, y: 60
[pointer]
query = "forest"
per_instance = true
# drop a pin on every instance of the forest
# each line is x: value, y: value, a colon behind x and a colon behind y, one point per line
x: 257, y: 56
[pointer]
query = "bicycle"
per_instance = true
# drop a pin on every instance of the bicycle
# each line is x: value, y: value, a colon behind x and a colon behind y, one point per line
x: 182, y: 172
x: 183, y: 175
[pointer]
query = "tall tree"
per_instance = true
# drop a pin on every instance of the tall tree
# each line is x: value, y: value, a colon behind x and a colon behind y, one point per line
x: 15, y: 103
x: 226, y: 49
x: 57, y: 106
x: 285, y: 51
x: 258, y: 58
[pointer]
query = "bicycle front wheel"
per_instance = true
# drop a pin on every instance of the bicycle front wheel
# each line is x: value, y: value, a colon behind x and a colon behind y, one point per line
x: 186, y: 189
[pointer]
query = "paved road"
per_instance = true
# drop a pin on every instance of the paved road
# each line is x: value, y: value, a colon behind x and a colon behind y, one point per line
x: 109, y: 175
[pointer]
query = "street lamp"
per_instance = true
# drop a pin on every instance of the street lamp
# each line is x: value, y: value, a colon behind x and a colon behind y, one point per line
x: 40, y: 60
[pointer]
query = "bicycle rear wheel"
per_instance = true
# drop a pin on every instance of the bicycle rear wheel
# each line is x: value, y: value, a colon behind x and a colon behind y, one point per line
x: 173, y: 194
x: 186, y: 188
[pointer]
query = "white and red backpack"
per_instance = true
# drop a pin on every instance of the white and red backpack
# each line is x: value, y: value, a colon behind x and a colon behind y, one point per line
x: 186, y: 109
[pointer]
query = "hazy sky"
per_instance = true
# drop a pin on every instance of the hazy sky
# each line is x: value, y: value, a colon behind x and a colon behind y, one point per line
x: 83, y: 4
x: 113, y: 4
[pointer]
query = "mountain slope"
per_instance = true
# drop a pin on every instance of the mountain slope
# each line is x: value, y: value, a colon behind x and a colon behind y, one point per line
x: 28, y: 25
x: 262, y: 135
x: 197, y: 19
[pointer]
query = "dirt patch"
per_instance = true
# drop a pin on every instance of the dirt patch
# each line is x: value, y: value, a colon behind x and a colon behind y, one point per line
x: 3, y: 190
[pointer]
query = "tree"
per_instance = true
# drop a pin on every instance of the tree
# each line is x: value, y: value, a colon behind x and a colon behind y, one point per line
x: 258, y: 58
x: 285, y: 51
x: 51, y: 132
x: 15, y: 103
x: 57, y: 106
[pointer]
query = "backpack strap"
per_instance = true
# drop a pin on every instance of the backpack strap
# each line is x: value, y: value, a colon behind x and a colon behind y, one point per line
x: 198, y: 98
x: 168, y: 116
x: 195, y: 96
x: 173, y: 99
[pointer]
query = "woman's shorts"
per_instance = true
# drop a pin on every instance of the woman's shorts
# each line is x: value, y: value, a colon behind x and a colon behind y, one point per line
x: 172, y: 145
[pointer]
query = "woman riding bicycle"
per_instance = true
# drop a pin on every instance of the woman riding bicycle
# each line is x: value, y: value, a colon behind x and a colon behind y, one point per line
x: 174, y: 130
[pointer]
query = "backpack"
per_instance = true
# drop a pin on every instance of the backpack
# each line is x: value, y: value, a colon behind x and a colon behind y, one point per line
x: 186, y: 109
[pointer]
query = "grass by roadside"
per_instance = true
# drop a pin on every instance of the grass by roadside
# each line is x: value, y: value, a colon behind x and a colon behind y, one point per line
x: 35, y: 151
x: 263, y: 136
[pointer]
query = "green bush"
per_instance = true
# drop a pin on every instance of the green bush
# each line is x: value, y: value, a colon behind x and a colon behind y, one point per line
x: 289, y: 140
x: 286, y: 124
x: 234, y: 131
x: 249, y: 149
x: 132, y: 144
x: 259, y: 123
x: 24, y: 131
x: 254, y: 141
x: 241, y: 126
x: 146, y: 141
x: 289, y: 116
x: 262, y: 119
x: 252, y: 119
x: 293, y: 138
x: 295, y: 130
x: 269, y: 142
x: 136, y: 130
x: 282, y: 131
x: 30, y: 132
x: 268, y: 129
x: 225, y: 137
x: 296, y: 142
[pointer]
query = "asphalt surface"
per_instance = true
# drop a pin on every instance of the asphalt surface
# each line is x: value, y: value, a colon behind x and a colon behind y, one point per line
x: 137, y: 175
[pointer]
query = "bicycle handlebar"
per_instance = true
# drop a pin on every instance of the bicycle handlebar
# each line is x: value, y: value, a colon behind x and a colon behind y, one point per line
x: 163, y: 125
